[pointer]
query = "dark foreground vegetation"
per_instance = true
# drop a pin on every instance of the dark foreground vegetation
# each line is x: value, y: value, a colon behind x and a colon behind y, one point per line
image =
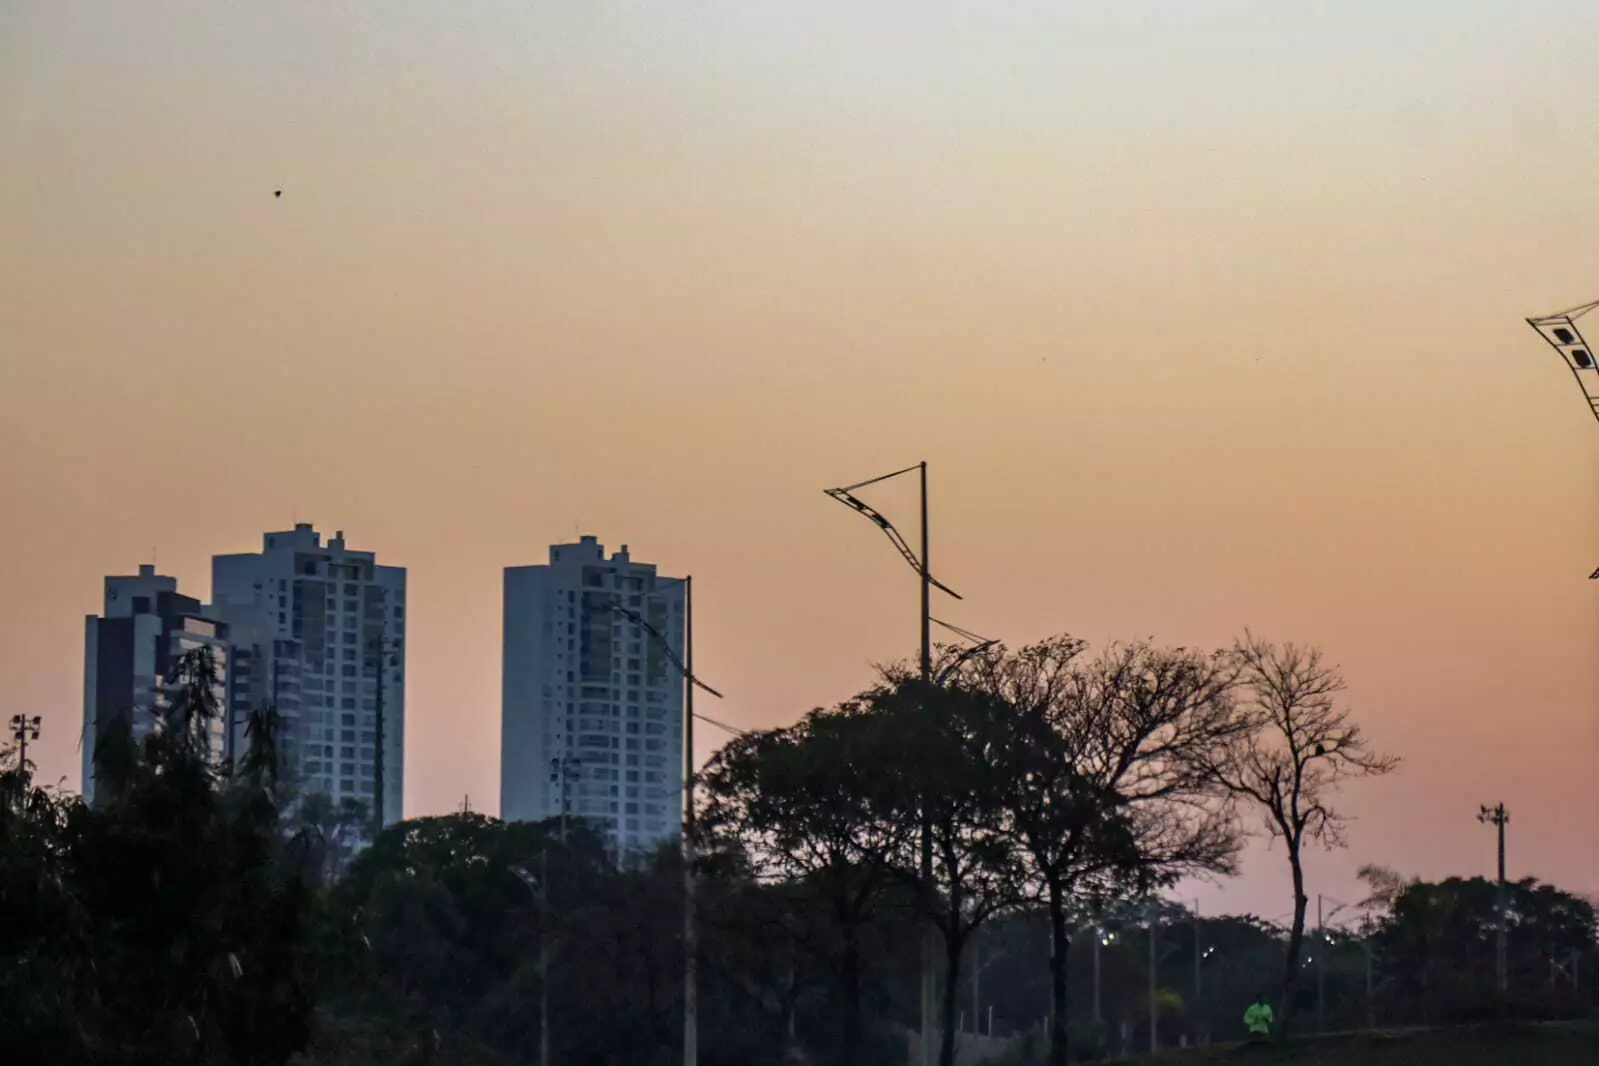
x: 205, y: 915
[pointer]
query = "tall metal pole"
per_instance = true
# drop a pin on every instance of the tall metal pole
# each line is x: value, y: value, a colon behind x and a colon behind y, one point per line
x: 1498, y: 817
x: 690, y: 940
x: 1199, y: 980
x: 1154, y: 1017
x: 1321, y: 968
x: 929, y: 948
x: 1099, y: 936
x: 544, y: 956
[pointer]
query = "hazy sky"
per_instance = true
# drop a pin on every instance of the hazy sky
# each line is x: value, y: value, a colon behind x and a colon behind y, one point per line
x: 1206, y: 314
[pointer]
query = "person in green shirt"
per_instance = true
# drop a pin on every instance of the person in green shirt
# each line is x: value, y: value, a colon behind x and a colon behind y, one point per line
x: 1258, y: 1018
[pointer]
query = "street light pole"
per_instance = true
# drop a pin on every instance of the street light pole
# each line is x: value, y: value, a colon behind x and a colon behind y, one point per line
x: 540, y: 887
x: 1498, y: 817
x: 919, y: 563
x: 22, y: 727
x: 685, y: 666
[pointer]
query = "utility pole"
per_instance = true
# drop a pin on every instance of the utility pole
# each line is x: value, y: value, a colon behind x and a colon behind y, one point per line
x: 1498, y: 817
x: 22, y: 729
x: 920, y: 564
x: 691, y: 1005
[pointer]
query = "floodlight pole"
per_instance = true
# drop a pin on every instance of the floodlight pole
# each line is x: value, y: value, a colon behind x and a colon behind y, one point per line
x: 1498, y: 817
x: 22, y: 727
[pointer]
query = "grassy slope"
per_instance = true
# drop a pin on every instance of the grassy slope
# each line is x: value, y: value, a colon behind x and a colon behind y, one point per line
x: 1503, y: 1045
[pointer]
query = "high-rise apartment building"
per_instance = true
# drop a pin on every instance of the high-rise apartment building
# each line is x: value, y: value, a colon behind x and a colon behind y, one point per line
x: 128, y: 654
x: 591, y: 704
x: 324, y: 626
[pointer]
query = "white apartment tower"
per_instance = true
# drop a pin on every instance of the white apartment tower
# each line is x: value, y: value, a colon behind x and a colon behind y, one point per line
x: 591, y: 712
x: 326, y: 623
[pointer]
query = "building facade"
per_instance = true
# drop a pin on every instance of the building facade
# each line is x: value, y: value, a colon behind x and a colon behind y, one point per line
x: 129, y: 653
x: 324, y: 628
x: 591, y: 716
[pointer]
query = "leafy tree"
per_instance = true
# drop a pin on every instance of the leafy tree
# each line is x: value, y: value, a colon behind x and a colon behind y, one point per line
x: 947, y: 780
x: 45, y: 950
x: 1302, y: 747
x: 165, y: 925
x: 808, y: 804
x: 1437, y: 945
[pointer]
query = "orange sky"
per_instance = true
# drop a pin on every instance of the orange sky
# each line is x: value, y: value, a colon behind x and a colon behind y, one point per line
x: 1203, y: 321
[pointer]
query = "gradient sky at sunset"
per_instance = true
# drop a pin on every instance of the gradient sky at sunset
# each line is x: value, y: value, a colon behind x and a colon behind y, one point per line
x: 1206, y: 314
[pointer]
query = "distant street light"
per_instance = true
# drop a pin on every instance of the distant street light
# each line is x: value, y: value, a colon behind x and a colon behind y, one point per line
x: 1152, y: 920
x: 1322, y: 918
x: 979, y: 964
x: 921, y: 564
x: 539, y: 886
x: 1102, y: 938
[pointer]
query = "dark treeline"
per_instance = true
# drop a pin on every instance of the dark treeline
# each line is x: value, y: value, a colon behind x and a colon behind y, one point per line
x: 204, y: 915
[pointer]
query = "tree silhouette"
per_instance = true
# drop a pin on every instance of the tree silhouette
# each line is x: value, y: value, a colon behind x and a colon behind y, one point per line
x: 1301, y: 748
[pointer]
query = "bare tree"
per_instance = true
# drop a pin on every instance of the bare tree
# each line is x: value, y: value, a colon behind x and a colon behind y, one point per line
x: 1303, y: 747
x: 1110, y: 785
